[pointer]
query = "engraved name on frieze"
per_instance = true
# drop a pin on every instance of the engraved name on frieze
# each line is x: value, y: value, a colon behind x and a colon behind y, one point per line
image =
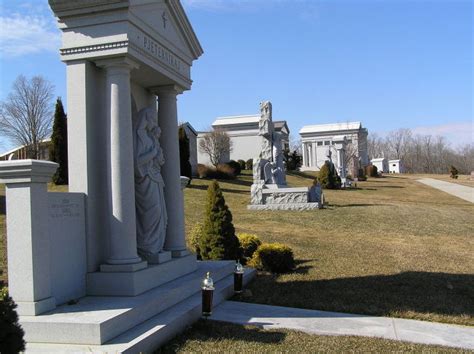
x: 158, y: 51
x: 64, y: 209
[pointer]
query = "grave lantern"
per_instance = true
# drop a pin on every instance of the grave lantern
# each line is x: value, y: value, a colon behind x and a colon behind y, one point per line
x: 238, y: 277
x: 207, y: 293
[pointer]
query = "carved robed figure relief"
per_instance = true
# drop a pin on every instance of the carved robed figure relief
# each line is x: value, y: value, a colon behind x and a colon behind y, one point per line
x: 151, y: 216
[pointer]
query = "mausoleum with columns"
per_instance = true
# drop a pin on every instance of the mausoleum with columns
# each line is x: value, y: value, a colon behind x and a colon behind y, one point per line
x: 317, y: 140
x: 105, y: 265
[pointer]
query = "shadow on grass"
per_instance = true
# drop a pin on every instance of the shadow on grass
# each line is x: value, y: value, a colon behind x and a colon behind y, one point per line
x: 237, y: 181
x: 225, y: 190
x: 355, y: 205
x: 382, y: 295
x: 301, y: 174
x: 3, y: 205
x: 208, y: 330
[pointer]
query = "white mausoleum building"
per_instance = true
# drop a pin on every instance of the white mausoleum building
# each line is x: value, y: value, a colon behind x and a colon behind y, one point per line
x: 317, y: 139
x: 395, y: 166
x: 243, y: 132
x: 381, y: 164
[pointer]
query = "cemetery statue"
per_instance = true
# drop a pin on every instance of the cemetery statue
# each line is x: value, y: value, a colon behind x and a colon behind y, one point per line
x: 332, y: 168
x: 278, y: 160
x: 266, y: 130
x: 151, y: 216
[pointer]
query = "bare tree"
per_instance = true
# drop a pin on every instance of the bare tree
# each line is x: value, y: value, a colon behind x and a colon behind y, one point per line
x: 398, y: 142
x: 26, y: 114
x: 217, y: 145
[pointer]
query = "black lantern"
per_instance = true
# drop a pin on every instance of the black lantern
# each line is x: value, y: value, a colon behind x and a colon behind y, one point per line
x: 207, y: 293
x: 238, y: 278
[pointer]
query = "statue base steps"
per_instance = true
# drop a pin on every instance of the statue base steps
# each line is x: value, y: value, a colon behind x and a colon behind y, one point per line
x: 135, y: 283
x: 129, y: 324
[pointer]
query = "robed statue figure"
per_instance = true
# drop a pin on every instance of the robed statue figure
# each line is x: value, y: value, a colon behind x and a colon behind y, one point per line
x: 151, y: 216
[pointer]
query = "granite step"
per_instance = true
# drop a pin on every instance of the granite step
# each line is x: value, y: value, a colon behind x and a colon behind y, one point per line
x: 95, y: 320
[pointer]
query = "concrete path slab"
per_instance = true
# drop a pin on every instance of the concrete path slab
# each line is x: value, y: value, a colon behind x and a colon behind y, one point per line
x: 342, y: 324
x: 460, y: 191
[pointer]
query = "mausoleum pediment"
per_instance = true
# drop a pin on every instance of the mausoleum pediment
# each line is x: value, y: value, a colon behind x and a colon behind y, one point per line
x: 154, y: 33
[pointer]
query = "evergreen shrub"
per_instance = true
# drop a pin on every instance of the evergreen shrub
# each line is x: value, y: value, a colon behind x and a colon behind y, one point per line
x: 223, y: 171
x: 241, y: 164
x: 58, y: 145
x: 184, y: 164
x: 249, y: 244
x: 273, y: 257
x: 249, y: 164
x: 361, y: 175
x: 218, y: 240
x: 236, y: 166
x: 194, y: 237
x: 328, y: 177
x: 453, y: 172
x: 372, y: 171
x: 11, y: 333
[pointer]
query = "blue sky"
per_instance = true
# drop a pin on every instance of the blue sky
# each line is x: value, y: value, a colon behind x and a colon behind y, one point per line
x: 387, y: 63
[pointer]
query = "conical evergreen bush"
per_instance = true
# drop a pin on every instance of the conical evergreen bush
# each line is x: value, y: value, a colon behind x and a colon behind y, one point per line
x: 11, y: 333
x: 218, y: 240
x: 184, y: 154
x: 58, y: 146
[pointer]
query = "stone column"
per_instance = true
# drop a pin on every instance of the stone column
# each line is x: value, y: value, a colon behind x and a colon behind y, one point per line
x: 303, y: 150
x: 168, y: 123
x: 315, y: 155
x: 123, y: 241
x: 29, y: 255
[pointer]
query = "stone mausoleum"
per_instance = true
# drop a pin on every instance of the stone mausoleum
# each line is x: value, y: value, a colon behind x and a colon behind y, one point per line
x: 317, y: 139
x: 105, y: 267
x: 243, y: 132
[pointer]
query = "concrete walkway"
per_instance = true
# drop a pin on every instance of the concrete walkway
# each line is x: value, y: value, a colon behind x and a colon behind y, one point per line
x: 460, y: 191
x: 342, y: 324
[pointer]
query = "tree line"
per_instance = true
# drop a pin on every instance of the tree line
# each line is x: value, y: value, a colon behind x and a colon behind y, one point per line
x: 422, y: 153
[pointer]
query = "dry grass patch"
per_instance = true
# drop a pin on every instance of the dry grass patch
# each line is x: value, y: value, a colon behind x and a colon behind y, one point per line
x: 218, y: 337
x: 391, y: 247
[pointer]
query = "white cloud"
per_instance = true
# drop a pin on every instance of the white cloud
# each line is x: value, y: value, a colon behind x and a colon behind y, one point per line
x: 457, y: 133
x: 28, y: 34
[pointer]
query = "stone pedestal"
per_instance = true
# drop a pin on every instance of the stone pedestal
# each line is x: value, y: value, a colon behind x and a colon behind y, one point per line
x: 29, y: 261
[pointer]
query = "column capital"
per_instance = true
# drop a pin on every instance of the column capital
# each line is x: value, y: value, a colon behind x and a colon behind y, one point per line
x: 167, y: 90
x: 123, y: 62
x: 27, y: 171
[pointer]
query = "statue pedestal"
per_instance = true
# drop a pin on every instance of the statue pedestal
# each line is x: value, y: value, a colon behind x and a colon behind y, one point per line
x: 135, y: 283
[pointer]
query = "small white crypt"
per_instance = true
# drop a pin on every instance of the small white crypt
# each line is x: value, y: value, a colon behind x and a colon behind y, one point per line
x: 105, y: 267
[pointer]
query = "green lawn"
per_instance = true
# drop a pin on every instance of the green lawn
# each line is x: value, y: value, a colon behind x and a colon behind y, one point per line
x: 391, y: 247
x: 216, y: 337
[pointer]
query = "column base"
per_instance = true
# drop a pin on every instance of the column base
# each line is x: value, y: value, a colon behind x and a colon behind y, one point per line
x: 111, y: 268
x: 179, y: 253
x: 34, y: 308
x: 159, y: 258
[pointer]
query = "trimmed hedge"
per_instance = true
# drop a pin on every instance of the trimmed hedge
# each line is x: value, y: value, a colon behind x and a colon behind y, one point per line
x: 249, y: 244
x: 241, y: 164
x: 372, y: 171
x: 249, y: 164
x: 195, y: 236
x: 235, y: 165
x: 273, y: 257
x: 223, y: 171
